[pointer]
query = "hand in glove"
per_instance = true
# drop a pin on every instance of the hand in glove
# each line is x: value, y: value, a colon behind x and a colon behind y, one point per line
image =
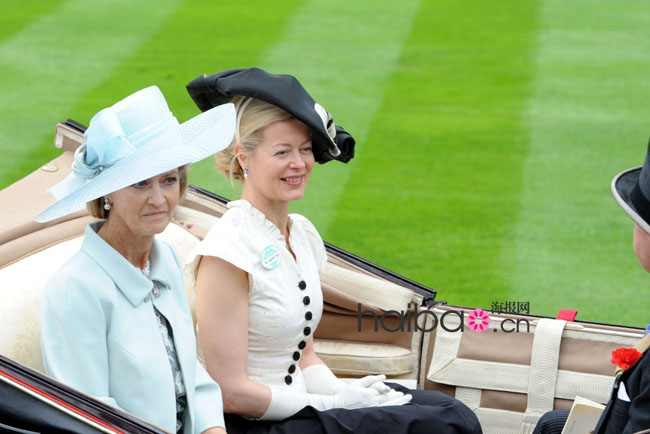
x: 359, y: 397
x: 375, y: 382
x: 285, y: 403
x: 319, y: 379
x: 371, y: 381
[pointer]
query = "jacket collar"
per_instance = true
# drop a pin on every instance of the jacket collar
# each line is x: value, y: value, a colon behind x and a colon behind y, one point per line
x: 129, y: 279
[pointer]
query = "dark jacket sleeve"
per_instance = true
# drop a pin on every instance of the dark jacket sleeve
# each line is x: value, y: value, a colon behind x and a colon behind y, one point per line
x: 628, y: 417
x: 638, y: 387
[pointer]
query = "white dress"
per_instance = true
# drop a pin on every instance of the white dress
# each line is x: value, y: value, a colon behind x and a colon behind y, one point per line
x: 285, y: 306
x: 285, y: 297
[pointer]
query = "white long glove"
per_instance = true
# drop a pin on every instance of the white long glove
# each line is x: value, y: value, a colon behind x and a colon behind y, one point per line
x: 321, y: 380
x: 285, y: 403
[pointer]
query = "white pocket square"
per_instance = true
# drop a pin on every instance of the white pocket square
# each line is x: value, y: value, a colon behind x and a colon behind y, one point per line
x: 622, y: 393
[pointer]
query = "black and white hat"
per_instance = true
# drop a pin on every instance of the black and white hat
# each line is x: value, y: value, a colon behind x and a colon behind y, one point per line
x: 329, y: 141
x: 631, y: 189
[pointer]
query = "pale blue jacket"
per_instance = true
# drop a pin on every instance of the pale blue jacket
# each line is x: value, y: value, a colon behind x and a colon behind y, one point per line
x: 100, y: 335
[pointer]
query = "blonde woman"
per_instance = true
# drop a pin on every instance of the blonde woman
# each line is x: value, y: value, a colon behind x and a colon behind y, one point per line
x: 259, y: 297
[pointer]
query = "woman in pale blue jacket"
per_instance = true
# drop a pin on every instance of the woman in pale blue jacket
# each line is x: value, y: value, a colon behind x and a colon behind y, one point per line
x: 116, y: 323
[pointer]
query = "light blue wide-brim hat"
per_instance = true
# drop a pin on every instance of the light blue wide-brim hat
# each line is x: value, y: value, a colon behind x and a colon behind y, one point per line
x: 133, y: 140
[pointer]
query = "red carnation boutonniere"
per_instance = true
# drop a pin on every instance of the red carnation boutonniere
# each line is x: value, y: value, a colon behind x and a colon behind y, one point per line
x: 625, y: 357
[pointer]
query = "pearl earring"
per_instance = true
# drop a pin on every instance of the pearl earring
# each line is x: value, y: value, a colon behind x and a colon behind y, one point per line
x: 107, y: 205
x: 245, y: 172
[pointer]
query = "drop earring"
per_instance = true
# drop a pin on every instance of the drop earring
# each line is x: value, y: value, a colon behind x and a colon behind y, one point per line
x: 107, y: 205
x: 245, y: 172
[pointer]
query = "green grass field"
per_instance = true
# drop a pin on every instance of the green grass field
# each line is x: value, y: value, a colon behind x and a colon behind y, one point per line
x: 487, y: 132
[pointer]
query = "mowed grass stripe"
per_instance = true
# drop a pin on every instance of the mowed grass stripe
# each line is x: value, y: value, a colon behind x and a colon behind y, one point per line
x: 343, y: 53
x: 195, y: 39
x: 438, y: 179
x: 589, y: 120
x: 49, y: 66
x: 18, y: 15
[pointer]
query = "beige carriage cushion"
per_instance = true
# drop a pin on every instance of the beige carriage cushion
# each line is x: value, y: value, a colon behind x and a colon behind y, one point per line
x: 359, y: 359
x: 367, y: 289
x: 30, y: 237
x: 21, y: 289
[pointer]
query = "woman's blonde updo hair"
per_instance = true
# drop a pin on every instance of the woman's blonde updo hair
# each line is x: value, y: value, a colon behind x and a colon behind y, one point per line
x: 96, y: 207
x: 256, y: 115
